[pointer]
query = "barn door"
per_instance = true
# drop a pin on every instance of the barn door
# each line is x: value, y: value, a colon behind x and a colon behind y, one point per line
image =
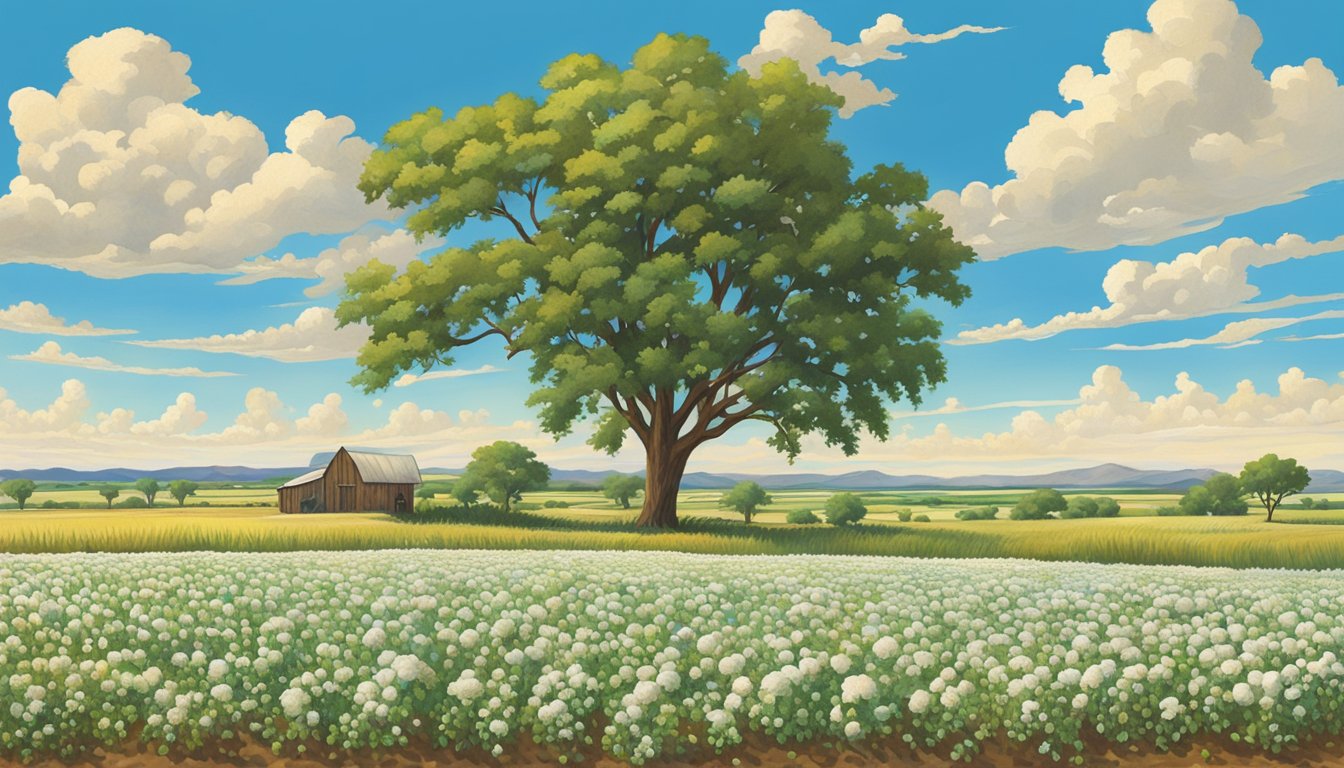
x: 347, y: 499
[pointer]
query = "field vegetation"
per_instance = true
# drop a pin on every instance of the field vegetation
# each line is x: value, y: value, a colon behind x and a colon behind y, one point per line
x: 575, y: 520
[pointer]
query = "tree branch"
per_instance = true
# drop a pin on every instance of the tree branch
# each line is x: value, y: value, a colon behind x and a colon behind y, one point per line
x: 502, y: 210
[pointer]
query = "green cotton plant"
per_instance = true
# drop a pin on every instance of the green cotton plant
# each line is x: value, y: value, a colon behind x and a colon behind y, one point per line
x: 681, y: 249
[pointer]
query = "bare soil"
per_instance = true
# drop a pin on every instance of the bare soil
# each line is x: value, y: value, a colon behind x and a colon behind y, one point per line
x: 759, y: 754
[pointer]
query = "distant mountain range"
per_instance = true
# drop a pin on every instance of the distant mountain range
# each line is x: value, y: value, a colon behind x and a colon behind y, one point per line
x: 1101, y: 476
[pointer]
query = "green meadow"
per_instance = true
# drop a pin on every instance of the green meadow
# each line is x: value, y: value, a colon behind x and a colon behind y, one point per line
x: 1297, y: 539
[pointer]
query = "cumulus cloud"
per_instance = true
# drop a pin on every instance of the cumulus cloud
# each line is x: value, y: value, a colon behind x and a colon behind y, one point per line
x: 266, y: 432
x: 180, y: 418
x: 795, y: 35
x: 30, y: 317
x: 1238, y: 334
x: 396, y: 248
x: 311, y: 337
x: 64, y: 412
x: 50, y: 353
x: 1180, y: 131
x: 1188, y: 426
x: 407, y: 379
x: 119, y: 177
x: 1213, y: 280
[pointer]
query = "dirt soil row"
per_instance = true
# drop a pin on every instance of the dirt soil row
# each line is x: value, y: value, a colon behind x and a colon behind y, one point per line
x: 758, y: 754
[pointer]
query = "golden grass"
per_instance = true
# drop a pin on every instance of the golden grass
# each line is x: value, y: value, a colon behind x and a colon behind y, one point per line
x: 1236, y: 542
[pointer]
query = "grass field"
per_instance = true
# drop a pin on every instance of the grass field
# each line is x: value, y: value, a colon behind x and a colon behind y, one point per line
x: 592, y: 522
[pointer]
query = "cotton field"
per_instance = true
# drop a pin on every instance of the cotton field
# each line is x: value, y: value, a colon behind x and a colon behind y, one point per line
x: 474, y: 648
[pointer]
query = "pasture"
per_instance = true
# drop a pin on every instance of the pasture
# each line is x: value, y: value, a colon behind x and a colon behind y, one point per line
x: 1298, y: 539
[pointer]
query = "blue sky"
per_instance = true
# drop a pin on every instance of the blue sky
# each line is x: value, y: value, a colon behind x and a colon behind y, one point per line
x: 959, y: 103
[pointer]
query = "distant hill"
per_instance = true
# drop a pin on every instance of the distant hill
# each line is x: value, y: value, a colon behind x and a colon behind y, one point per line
x: 1101, y: 476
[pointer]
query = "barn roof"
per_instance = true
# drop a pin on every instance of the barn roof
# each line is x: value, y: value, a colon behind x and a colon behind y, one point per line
x: 373, y: 468
x: 386, y: 467
x: 307, y: 477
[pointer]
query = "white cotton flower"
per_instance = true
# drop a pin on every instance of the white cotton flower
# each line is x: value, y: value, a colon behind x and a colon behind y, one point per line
x: 221, y: 692
x: 853, y: 730
x: 1242, y: 694
x: 885, y: 648
x: 294, y: 701
x: 857, y: 688
x: 841, y: 663
x: 466, y: 688
x: 374, y: 638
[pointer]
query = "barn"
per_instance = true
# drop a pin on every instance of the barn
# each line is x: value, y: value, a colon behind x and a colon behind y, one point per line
x: 355, y: 481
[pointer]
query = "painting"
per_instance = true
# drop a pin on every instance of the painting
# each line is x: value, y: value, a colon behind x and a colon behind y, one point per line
x: 876, y: 383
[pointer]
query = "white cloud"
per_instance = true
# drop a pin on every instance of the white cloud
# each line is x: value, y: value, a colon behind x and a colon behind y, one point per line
x: 954, y: 405
x: 267, y: 432
x: 1187, y: 427
x: 50, y: 353
x: 1316, y: 337
x: 1213, y: 280
x: 118, y: 177
x: 324, y: 419
x: 64, y: 413
x: 180, y: 418
x: 29, y: 317
x: 1237, y: 334
x: 396, y: 248
x: 795, y: 35
x: 407, y: 379
x: 1182, y: 131
x: 311, y: 337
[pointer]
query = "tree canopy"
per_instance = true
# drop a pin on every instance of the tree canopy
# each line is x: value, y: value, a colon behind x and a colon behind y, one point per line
x: 744, y: 499
x: 1220, y: 495
x: 502, y: 471
x: 110, y: 493
x: 1038, y: 505
x: 622, y: 488
x: 682, y: 249
x: 181, y: 489
x: 845, y: 509
x: 19, y: 489
x: 149, y: 487
x: 1271, y: 479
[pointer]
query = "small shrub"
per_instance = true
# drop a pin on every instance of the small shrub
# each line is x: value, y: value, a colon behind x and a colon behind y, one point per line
x: 51, y: 504
x: 555, y: 504
x: 845, y: 509
x: 978, y: 513
x: 131, y: 502
x: 1169, y: 512
x: 802, y: 517
x: 904, y: 515
x: 921, y: 518
x: 1039, y: 504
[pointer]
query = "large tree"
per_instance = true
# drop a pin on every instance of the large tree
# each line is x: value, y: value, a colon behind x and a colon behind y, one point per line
x: 1271, y: 479
x: 681, y: 249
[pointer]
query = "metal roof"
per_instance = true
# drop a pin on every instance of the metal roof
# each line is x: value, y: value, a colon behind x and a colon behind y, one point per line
x: 386, y: 467
x: 373, y: 468
x: 307, y: 477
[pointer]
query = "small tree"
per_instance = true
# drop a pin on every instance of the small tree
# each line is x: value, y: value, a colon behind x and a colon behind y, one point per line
x: 1271, y: 479
x: 181, y: 489
x: 18, y: 489
x: 622, y: 488
x: 1220, y: 495
x: 744, y: 498
x: 1080, y: 506
x: 1038, y: 505
x: 109, y: 493
x: 149, y: 487
x: 1107, y: 507
x: 1307, y: 502
x: 845, y: 509
x: 502, y: 471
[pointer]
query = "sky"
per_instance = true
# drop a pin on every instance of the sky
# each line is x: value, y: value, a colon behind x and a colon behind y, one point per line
x: 1153, y: 191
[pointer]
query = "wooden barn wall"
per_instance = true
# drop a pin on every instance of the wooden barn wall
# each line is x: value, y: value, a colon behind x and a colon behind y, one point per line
x: 366, y: 497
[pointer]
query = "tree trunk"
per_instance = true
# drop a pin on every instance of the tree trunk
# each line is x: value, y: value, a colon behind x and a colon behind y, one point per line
x: 747, y: 514
x: 664, y: 467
